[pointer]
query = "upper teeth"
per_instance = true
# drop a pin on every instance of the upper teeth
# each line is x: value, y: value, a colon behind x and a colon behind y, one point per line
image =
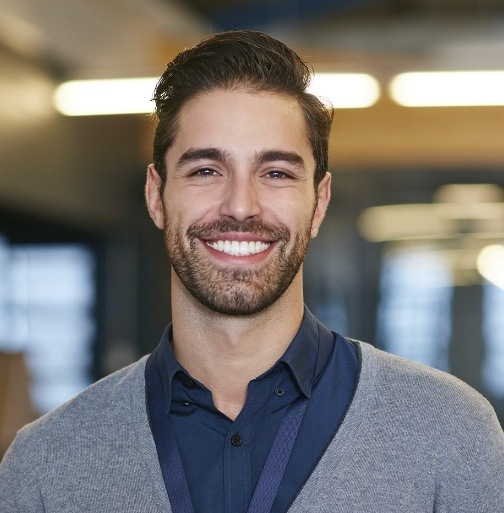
x: 237, y: 248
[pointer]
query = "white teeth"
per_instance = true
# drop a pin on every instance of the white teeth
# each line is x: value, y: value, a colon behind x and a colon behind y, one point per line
x: 237, y: 248
x: 244, y: 248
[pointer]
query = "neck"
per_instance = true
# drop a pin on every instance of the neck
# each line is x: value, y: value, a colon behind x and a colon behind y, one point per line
x: 225, y: 352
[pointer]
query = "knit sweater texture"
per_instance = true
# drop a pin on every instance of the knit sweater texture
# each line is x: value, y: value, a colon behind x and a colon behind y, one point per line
x: 413, y: 440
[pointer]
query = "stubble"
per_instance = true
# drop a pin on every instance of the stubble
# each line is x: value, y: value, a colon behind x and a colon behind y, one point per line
x: 235, y: 290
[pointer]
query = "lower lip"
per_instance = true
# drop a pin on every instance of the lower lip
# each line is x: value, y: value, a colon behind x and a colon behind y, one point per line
x: 240, y: 260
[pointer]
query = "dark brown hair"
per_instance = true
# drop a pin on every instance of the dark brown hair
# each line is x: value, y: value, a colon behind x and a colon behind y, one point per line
x: 234, y: 59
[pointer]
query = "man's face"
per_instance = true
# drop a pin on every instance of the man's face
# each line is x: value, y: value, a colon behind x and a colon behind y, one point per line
x: 239, y: 206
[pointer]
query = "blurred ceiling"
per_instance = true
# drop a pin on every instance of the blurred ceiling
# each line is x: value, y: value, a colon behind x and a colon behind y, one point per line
x: 97, y: 37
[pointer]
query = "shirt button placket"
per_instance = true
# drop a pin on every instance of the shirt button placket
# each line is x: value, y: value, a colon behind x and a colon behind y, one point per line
x: 237, y: 479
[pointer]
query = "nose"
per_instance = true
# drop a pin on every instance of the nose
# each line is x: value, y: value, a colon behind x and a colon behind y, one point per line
x: 241, y: 198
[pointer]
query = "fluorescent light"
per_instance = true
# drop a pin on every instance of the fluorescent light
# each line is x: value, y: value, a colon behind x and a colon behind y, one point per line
x: 404, y: 222
x: 469, y: 193
x: 490, y: 264
x: 346, y: 90
x: 448, y: 89
x: 133, y: 95
x: 114, y: 96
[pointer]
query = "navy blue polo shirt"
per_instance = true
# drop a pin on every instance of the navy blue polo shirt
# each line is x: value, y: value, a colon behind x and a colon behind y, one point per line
x: 222, y: 459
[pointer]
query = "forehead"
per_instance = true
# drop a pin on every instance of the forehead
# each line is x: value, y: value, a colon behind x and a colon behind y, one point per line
x: 241, y: 121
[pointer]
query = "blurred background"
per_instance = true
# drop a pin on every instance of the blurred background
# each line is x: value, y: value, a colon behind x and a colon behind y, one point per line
x: 410, y: 257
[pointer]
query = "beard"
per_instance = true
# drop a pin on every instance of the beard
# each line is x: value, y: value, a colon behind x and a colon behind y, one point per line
x: 232, y: 290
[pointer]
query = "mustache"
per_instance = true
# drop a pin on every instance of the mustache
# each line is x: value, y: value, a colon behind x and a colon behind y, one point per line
x: 215, y: 228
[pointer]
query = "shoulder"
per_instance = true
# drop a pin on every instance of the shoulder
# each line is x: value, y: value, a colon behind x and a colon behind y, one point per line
x: 95, y: 450
x: 395, y: 374
x: 429, y: 420
x: 423, y: 396
x: 98, y: 410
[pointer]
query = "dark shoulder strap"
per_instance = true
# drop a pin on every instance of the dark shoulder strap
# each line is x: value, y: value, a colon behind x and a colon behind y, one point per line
x: 164, y: 437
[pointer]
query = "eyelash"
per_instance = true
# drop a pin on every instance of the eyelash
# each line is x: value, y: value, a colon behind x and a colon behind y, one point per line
x: 205, y: 172
x: 277, y: 172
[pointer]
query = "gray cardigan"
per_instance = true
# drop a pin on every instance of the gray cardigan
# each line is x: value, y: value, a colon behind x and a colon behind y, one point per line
x: 414, y: 440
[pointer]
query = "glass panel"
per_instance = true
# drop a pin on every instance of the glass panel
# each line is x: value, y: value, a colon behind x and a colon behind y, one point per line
x: 414, y: 314
x: 493, y: 332
x: 47, y: 296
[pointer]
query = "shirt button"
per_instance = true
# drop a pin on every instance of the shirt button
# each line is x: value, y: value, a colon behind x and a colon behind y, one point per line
x: 279, y: 391
x: 236, y: 440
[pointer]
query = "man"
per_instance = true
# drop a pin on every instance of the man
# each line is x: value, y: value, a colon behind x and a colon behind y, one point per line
x: 249, y: 404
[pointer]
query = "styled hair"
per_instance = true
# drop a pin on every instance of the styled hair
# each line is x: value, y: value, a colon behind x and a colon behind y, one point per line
x: 230, y: 60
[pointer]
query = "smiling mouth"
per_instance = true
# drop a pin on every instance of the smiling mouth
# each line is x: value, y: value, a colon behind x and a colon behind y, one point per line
x: 239, y: 248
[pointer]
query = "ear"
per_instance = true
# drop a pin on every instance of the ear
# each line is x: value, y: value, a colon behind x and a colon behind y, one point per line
x: 323, y: 197
x: 153, y: 186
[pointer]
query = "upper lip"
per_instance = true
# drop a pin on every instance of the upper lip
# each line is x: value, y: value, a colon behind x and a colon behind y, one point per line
x: 238, y: 236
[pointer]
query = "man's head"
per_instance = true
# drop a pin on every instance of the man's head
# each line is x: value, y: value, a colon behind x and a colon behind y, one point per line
x: 238, y: 149
x: 238, y: 59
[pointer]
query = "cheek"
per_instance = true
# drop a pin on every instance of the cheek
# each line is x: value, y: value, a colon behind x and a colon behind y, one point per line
x: 297, y: 211
x: 182, y: 215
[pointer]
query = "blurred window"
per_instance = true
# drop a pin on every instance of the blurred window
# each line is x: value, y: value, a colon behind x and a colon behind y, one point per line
x: 414, y: 313
x: 493, y: 333
x: 47, y: 296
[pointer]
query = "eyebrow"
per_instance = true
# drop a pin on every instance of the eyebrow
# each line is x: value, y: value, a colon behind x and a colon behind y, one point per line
x: 220, y: 155
x: 193, y: 154
x: 278, y: 155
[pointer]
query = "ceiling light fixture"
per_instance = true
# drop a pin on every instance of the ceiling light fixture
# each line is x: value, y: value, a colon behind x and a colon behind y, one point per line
x: 133, y: 95
x: 490, y: 263
x: 465, y: 223
x: 346, y: 90
x: 448, y: 89
x: 458, y: 210
x: 105, y: 96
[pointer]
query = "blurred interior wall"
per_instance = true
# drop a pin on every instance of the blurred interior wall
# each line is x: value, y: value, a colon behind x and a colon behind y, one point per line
x: 16, y: 408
